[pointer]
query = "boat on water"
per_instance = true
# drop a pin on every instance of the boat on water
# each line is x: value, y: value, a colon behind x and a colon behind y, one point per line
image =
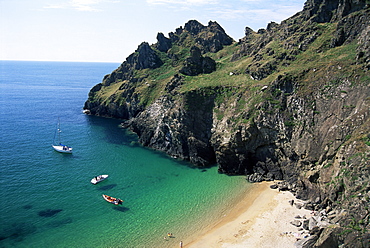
x: 98, y: 179
x: 57, y: 144
x: 62, y: 148
x: 113, y: 200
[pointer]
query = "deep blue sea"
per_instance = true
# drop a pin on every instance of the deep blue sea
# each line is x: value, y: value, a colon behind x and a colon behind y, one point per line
x: 47, y: 199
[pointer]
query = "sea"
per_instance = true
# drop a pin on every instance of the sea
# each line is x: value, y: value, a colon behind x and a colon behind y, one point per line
x: 47, y: 199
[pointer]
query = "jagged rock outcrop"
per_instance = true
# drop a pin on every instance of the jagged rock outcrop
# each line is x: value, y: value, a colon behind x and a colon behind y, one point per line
x: 211, y: 38
x: 197, y: 64
x: 315, y: 11
x: 163, y: 43
x: 331, y: 10
x: 289, y: 102
x: 195, y: 37
x: 144, y: 57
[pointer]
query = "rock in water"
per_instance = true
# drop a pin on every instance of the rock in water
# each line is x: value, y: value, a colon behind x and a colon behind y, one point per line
x: 49, y: 212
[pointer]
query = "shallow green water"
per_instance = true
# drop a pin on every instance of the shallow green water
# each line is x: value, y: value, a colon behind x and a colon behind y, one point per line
x: 52, y: 202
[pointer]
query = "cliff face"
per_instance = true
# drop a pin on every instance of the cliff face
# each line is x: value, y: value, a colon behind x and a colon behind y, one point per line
x: 289, y: 102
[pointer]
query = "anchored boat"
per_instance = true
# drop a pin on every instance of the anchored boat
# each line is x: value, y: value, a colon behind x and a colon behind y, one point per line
x: 115, y: 201
x: 98, y: 179
x: 57, y: 144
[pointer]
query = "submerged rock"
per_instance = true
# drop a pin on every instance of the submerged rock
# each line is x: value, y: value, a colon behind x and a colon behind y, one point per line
x: 49, y: 212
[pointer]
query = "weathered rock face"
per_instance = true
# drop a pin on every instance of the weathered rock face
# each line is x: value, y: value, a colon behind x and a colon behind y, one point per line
x: 163, y: 43
x: 303, y: 117
x: 296, y: 38
x: 196, y: 37
x: 197, y: 64
x: 331, y: 10
x: 182, y: 134
x: 211, y: 38
x: 144, y: 57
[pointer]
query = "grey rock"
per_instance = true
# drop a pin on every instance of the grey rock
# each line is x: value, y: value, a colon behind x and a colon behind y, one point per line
x: 296, y: 223
x: 306, y: 224
x: 298, y: 205
x: 274, y: 186
x: 312, y: 222
x: 328, y: 238
x: 332, y: 216
x: 307, y: 242
x: 197, y: 64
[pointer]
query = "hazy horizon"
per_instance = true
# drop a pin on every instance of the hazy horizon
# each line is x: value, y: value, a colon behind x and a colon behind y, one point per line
x: 110, y: 30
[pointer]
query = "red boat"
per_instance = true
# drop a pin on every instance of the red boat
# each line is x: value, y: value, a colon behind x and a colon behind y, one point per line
x: 115, y: 201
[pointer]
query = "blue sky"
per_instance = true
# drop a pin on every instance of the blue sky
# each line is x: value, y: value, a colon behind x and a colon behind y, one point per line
x: 110, y: 30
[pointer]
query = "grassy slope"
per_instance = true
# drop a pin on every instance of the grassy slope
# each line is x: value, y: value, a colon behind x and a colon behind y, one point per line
x: 317, y: 56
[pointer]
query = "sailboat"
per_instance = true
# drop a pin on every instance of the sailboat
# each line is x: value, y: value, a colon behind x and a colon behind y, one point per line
x: 57, y: 145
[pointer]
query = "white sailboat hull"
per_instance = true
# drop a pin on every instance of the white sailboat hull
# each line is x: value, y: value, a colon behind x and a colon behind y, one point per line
x: 62, y: 149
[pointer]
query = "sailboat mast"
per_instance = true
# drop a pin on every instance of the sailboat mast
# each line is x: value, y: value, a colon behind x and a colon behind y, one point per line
x: 59, y: 147
x: 57, y: 132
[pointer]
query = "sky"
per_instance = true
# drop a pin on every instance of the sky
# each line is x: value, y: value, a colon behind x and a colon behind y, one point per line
x: 110, y: 30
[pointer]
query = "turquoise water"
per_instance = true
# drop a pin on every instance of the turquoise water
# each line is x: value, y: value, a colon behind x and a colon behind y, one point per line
x: 47, y: 197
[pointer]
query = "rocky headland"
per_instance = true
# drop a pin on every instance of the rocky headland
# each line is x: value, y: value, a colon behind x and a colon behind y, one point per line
x: 290, y: 102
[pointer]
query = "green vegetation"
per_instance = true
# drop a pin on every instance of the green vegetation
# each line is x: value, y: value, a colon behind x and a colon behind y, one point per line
x: 354, y: 225
x: 328, y: 165
x: 303, y: 56
x: 366, y: 140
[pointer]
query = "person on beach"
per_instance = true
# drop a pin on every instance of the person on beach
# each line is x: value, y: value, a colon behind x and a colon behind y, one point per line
x: 180, y: 244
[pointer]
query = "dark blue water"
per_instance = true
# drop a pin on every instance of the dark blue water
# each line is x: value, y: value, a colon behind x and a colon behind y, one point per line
x: 47, y: 197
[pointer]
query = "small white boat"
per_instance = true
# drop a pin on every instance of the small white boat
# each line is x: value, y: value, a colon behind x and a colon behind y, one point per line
x: 98, y: 179
x: 58, y: 146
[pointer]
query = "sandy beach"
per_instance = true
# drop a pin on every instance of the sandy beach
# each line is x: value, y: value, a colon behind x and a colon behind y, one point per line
x: 261, y: 219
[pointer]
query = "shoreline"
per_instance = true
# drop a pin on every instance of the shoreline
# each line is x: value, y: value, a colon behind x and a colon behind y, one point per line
x: 261, y: 219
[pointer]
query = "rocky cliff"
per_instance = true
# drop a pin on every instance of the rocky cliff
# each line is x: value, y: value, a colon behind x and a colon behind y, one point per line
x: 290, y: 102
